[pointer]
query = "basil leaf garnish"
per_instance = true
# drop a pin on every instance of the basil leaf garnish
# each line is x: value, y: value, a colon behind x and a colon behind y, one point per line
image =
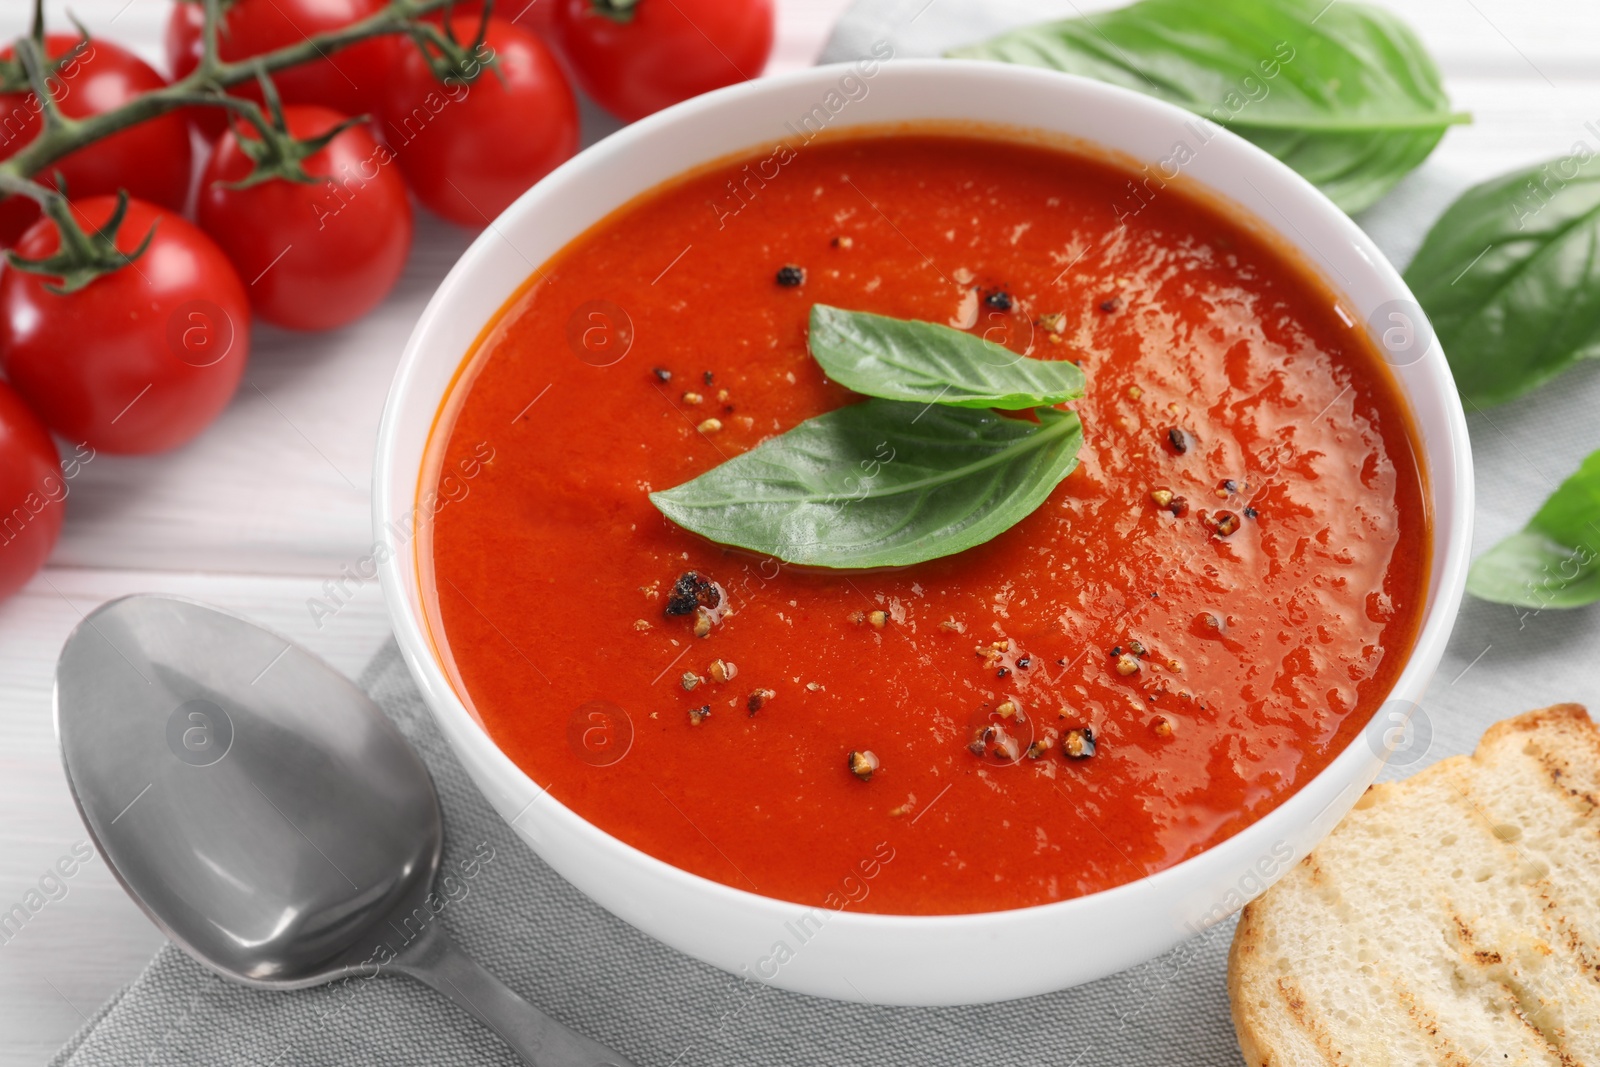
x: 880, y: 484
x: 1342, y: 92
x: 908, y: 360
x: 1510, y: 278
x: 1555, y: 561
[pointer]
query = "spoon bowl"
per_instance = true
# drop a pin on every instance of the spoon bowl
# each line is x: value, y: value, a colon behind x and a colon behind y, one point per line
x: 264, y: 812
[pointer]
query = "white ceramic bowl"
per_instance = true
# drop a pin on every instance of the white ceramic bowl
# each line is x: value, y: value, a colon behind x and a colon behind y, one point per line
x: 885, y: 958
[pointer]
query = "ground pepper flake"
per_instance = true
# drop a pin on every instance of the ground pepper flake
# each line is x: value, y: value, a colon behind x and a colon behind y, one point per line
x: 1222, y: 523
x: 699, y: 715
x: 1180, y: 439
x: 1000, y: 300
x: 789, y: 275
x: 662, y: 374
x: 1111, y: 305
x: 759, y: 699
x: 1168, y: 501
x: 862, y: 764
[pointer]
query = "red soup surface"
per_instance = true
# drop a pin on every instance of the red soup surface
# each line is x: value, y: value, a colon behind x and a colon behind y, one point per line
x: 1218, y: 671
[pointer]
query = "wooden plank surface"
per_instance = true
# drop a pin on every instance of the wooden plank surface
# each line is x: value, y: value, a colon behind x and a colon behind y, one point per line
x: 273, y: 500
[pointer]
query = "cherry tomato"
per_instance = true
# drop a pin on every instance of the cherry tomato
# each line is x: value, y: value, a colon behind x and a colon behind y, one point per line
x: 316, y: 256
x: 151, y: 160
x: 536, y: 15
x: 32, y: 492
x: 349, y: 80
x: 140, y: 360
x: 469, y: 148
x: 635, y: 57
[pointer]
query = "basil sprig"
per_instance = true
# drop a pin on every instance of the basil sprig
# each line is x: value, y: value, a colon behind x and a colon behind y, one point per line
x: 1555, y: 561
x: 1342, y: 92
x: 923, y: 470
x: 1510, y: 278
x: 899, y: 359
x: 883, y: 483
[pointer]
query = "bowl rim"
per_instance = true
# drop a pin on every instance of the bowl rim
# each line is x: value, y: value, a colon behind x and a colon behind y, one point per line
x: 1441, y: 605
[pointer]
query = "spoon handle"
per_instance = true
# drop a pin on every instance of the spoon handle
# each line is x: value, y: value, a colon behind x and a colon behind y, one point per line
x: 435, y: 960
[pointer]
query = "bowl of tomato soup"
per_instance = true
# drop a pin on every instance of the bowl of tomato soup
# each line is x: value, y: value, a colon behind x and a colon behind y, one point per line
x: 988, y: 775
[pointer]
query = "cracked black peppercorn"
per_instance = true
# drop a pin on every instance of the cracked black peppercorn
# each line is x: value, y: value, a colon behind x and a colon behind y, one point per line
x: 999, y: 300
x: 790, y: 275
x: 662, y: 374
x: 692, y: 590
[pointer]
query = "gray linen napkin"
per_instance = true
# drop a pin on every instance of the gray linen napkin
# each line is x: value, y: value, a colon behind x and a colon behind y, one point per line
x: 603, y: 977
x: 664, y: 1010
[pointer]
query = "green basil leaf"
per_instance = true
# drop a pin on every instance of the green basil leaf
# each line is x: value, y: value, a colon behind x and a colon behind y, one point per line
x: 1510, y: 278
x: 1342, y: 92
x: 880, y: 484
x: 1555, y: 561
x: 908, y: 360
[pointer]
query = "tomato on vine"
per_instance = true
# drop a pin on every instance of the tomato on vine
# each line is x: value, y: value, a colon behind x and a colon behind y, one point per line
x: 635, y: 57
x: 471, y: 145
x: 137, y: 360
x: 317, y: 255
x: 32, y: 492
x: 349, y: 81
x: 536, y: 15
x: 151, y: 160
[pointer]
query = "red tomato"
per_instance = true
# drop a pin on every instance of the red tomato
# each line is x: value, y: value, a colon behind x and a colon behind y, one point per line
x: 32, y: 492
x: 316, y: 256
x: 663, y: 51
x: 536, y: 15
x: 151, y: 160
x: 469, y: 149
x: 139, y: 360
x: 349, y: 81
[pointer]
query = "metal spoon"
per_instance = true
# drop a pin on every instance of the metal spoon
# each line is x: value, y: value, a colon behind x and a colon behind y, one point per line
x: 265, y: 814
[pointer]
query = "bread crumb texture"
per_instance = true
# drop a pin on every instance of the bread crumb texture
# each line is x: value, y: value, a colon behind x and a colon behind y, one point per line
x: 1452, y: 918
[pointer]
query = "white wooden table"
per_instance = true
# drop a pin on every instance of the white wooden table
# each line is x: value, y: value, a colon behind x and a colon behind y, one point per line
x: 273, y: 500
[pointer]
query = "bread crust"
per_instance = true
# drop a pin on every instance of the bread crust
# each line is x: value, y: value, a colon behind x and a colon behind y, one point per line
x: 1511, y: 959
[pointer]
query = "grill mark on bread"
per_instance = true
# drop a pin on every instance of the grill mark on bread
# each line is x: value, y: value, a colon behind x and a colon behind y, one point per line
x: 1428, y: 1023
x: 1556, y: 768
x: 1295, y: 1001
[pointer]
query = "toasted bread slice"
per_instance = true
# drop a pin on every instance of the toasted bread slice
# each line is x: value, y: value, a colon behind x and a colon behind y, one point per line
x: 1452, y: 918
